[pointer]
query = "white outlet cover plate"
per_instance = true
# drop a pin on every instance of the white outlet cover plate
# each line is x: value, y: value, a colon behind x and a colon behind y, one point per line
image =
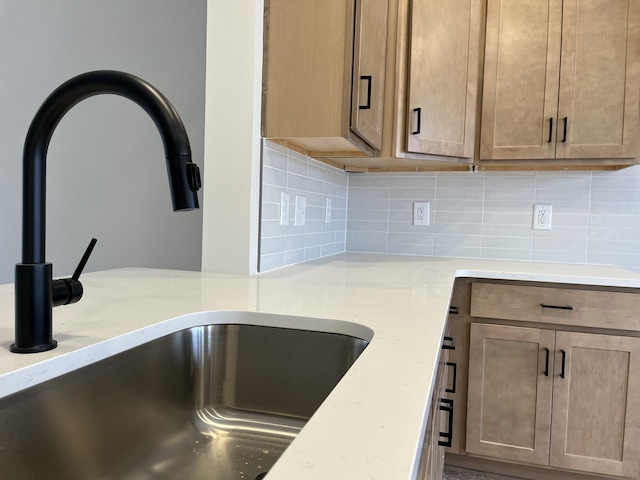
x: 284, y: 208
x: 421, y: 213
x: 542, y: 217
x: 301, y: 211
x: 327, y: 211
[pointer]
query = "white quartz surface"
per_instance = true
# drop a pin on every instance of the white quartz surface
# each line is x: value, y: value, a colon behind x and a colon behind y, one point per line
x: 370, y: 427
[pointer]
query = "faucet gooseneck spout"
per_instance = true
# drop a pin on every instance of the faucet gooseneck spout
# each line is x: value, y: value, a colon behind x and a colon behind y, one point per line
x: 35, y: 290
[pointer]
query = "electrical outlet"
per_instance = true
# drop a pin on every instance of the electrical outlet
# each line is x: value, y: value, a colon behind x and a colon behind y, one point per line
x: 327, y: 211
x: 284, y: 208
x: 301, y: 207
x: 542, y: 217
x: 421, y: 213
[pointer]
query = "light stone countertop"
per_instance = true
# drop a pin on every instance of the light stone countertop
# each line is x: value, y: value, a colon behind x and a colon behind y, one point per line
x: 371, y: 425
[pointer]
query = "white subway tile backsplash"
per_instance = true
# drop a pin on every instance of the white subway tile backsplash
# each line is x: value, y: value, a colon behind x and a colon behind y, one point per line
x: 275, y: 160
x: 456, y: 251
x: 462, y: 193
x: 510, y: 182
x: 518, y: 243
x: 523, y: 218
x: 368, y: 226
x: 412, y: 194
x: 596, y: 215
x: 458, y: 240
x: 569, y: 220
x: 460, y: 181
x: 614, y: 221
x: 457, y: 205
x: 452, y: 216
x: 506, y: 254
x: 294, y: 256
x: 367, y: 246
x: 558, y: 244
x: 507, y: 206
x: 410, y: 249
x: 562, y: 195
x: 459, y: 228
x: 273, y: 176
x: 558, y: 256
x: 271, y: 261
x: 506, y: 231
x: 613, y: 234
x: 619, y: 247
x: 425, y: 238
x: 284, y: 170
x: 608, y: 258
x: 422, y: 183
x: 368, y: 204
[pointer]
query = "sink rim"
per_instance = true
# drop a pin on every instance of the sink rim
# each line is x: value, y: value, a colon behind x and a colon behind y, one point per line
x: 59, y: 362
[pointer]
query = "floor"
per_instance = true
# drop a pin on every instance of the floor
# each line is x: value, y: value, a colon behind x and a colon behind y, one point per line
x: 458, y: 474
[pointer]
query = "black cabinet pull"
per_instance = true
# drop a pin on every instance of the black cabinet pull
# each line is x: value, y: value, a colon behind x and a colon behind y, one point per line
x: 419, y: 112
x: 546, y: 363
x: 447, y: 407
x: 550, y: 129
x: 564, y: 357
x: 564, y: 136
x: 454, y: 310
x: 454, y: 365
x: 557, y: 307
x: 368, y: 104
x: 452, y: 344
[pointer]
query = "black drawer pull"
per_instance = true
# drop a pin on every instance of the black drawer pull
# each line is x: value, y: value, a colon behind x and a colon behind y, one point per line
x: 454, y: 365
x: 447, y: 407
x: 557, y: 307
x: 368, y: 104
x: 454, y: 310
x: 546, y: 363
x: 451, y: 345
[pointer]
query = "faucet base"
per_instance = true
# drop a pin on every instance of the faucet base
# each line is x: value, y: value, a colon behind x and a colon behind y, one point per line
x: 34, y: 305
x: 35, y: 349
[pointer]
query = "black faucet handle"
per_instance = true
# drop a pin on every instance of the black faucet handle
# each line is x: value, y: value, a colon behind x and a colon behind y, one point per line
x: 69, y: 290
x: 84, y: 259
x: 193, y: 176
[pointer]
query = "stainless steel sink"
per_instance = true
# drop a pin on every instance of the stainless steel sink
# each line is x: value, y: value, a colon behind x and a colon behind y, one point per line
x: 210, y: 402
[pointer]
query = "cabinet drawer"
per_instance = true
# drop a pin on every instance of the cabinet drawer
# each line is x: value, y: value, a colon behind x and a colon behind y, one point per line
x: 564, y: 306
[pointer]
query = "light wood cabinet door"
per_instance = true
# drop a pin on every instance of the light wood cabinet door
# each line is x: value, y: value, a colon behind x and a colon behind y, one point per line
x: 600, y: 79
x: 561, y: 80
x: 510, y: 392
x: 431, y: 464
x: 308, y: 79
x: 443, y: 77
x: 521, y: 75
x: 369, y: 59
x: 596, y: 406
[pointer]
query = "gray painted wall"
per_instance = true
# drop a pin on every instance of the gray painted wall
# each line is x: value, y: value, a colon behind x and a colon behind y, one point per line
x: 106, y: 169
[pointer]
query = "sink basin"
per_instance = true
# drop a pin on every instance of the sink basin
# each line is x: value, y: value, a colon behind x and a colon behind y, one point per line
x: 210, y: 402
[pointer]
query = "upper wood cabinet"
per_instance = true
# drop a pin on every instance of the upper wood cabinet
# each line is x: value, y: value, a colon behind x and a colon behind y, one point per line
x: 369, y: 54
x: 561, y: 80
x: 443, y: 77
x: 323, y: 77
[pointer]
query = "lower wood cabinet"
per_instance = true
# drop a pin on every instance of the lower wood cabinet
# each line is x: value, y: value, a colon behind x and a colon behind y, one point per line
x: 438, y: 435
x: 554, y: 398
